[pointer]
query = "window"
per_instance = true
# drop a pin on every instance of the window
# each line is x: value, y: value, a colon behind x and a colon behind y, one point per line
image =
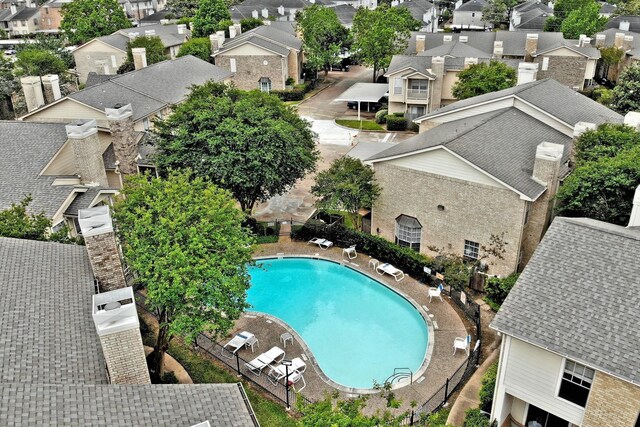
x: 408, y: 232
x: 35, y: 21
x: 471, y: 249
x: 114, y: 62
x: 145, y: 123
x: 543, y: 418
x: 232, y: 64
x: 576, y: 383
x: 545, y: 63
x: 473, y: 15
x: 419, y: 85
x: 264, y: 84
x: 397, y: 86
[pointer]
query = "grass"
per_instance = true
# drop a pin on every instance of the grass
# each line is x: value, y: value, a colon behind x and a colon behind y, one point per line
x: 360, y: 124
x: 204, y: 371
x: 266, y: 239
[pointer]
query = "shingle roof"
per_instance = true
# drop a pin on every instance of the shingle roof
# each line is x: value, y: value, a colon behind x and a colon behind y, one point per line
x: 27, y: 148
x: 167, y: 33
x: 472, y: 6
x: 94, y: 78
x: 579, y: 296
x: 417, y: 8
x: 82, y: 201
x: 270, y: 37
x: 116, y: 40
x: 170, y: 405
x: 288, y: 4
x: 634, y: 22
x: 25, y: 13
x: 610, y: 36
x: 345, y: 13
x: 489, y: 142
x: 46, y: 331
x: 534, y: 19
x: 607, y: 8
x: 532, y: 5
x: 549, y: 96
x: 456, y: 49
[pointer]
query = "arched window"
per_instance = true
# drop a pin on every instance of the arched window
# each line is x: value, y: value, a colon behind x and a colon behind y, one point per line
x: 408, y: 232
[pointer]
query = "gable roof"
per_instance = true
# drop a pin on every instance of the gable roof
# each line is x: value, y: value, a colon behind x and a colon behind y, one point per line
x: 167, y: 33
x: 275, y: 38
x: 532, y: 5
x: 547, y: 95
x: 634, y: 22
x: 456, y: 49
x: 288, y: 4
x: 418, y: 8
x: 117, y: 40
x: 610, y: 36
x: 472, y: 6
x: 579, y: 295
x: 534, y: 19
x: 27, y: 148
x: 487, y: 141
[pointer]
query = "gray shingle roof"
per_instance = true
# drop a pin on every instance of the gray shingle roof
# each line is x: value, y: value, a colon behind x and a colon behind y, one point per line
x: 46, y: 331
x: 502, y: 143
x: 417, y: 8
x: 472, y: 6
x: 634, y: 22
x: 532, y: 5
x: 610, y: 35
x: 550, y: 96
x: 94, y: 78
x: 167, y: 33
x: 27, y: 148
x: 607, y: 8
x: 169, y: 405
x: 534, y: 19
x: 579, y: 296
x: 82, y: 201
x: 288, y: 4
x: 456, y: 49
x: 267, y: 36
x: 116, y: 40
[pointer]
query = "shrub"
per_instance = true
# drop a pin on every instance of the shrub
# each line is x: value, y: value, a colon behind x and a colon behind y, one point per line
x: 487, y: 387
x: 414, y: 127
x: 497, y: 288
x: 290, y: 81
x: 170, y: 378
x: 475, y: 418
x: 396, y: 123
x: 381, y: 117
x: 398, y: 114
x: 296, y: 94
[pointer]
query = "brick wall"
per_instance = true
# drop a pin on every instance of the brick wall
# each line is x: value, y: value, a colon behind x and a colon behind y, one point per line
x: 250, y: 68
x: 568, y: 70
x: 88, y: 160
x: 612, y: 403
x: 124, y: 144
x: 124, y: 354
x: 293, y: 66
x: 472, y: 212
x: 105, y: 261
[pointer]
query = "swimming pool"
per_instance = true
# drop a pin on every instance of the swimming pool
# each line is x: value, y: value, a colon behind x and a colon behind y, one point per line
x: 357, y: 328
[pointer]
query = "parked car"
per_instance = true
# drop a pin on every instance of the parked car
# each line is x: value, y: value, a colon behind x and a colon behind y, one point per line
x: 364, y: 106
x: 10, y: 52
x: 339, y: 67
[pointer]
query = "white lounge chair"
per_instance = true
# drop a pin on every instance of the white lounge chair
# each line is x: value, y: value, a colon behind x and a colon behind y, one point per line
x: 462, y: 344
x: 351, y: 250
x: 322, y: 243
x: 277, y: 373
x: 236, y: 343
x: 275, y: 354
x: 391, y: 270
x: 436, y: 292
x: 295, y: 378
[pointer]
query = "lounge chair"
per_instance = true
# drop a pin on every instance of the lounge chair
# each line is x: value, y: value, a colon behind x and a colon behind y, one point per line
x: 351, y: 250
x: 322, y: 243
x: 294, y: 379
x: 277, y: 373
x: 275, y: 354
x: 391, y: 270
x: 236, y: 343
x: 462, y: 344
x: 436, y: 292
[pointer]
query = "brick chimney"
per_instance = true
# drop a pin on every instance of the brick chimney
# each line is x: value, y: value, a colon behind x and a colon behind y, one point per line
x: 238, y: 29
x: 530, y: 46
x: 627, y: 44
x: 139, y: 57
x: 104, y: 253
x: 437, y: 68
x: 116, y: 321
x: 634, y: 219
x: 619, y: 40
x: 32, y: 88
x: 123, y: 137
x: 527, y: 72
x: 470, y: 61
x: 51, y: 84
x: 420, y: 43
x: 497, y: 49
x: 547, y: 164
x: 87, y: 152
x: 600, y: 40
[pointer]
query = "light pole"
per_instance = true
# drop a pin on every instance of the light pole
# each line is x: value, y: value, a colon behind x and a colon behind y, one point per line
x: 286, y: 363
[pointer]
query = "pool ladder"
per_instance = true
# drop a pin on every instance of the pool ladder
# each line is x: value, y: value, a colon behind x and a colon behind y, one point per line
x: 400, y: 374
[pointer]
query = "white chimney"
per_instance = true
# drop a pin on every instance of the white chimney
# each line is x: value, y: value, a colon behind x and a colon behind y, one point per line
x: 582, y: 127
x: 13, y: 9
x: 634, y: 220
x: 238, y: 29
x: 254, y: 14
x: 547, y: 164
x: 51, y: 84
x: 394, y: 3
x: 312, y: 1
x: 265, y: 13
x: 426, y: 17
x: 628, y: 43
x: 232, y: 32
x: 463, y: 39
x: 32, y: 89
x: 220, y: 35
x: 497, y: 49
x: 624, y: 26
x: 149, y: 33
x: 182, y: 28
x: 447, y: 38
x: 516, y: 19
x: 139, y: 57
x: 632, y: 118
x: 213, y: 39
x: 527, y: 72
x: 470, y: 61
x: 281, y: 10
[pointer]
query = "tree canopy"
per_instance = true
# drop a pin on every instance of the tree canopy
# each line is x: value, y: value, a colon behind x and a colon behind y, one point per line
x: 348, y: 185
x: 208, y: 16
x: 8, y: 85
x: 607, y: 173
x: 184, y: 239
x: 154, y: 51
x: 324, y: 38
x: 586, y: 20
x: 250, y: 23
x: 183, y: 8
x: 626, y: 94
x: 498, y: 12
x: 483, y: 78
x: 50, y: 44
x: 18, y: 223
x: 33, y: 62
x: 199, y: 47
x: 83, y: 20
x: 247, y: 142
x: 380, y: 33
x: 627, y: 8
x: 561, y: 10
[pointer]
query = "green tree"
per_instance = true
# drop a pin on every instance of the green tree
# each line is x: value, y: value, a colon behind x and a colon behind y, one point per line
x: 83, y: 20
x: 498, y: 288
x: 247, y: 142
x: 561, y: 10
x: 18, y: 223
x: 627, y: 8
x: 208, y: 16
x: 154, y: 52
x: 609, y: 140
x: 626, y: 94
x: 224, y: 26
x: 50, y: 44
x: 183, y: 8
x: 380, y: 33
x: 586, y: 20
x: 483, y: 78
x: 199, y: 47
x: 248, y: 24
x: 8, y: 85
x: 184, y: 239
x: 39, y: 63
x: 498, y: 11
x: 323, y: 36
x: 349, y: 185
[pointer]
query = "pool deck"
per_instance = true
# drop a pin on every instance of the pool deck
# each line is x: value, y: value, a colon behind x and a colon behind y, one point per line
x: 446, y: 324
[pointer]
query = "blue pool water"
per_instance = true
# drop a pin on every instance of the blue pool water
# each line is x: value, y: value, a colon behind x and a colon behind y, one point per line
x: 358, y: 329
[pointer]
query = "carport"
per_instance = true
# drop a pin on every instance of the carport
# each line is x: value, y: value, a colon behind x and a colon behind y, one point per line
x: 363, y: 92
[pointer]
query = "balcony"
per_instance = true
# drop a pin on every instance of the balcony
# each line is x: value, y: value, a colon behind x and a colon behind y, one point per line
x: 417, y: 94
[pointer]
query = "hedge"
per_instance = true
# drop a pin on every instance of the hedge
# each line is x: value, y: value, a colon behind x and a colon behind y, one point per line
x: 396, y: 123
x: 407, y: 260
x: 381, y: 117
x: 475, y: 418
x: 295, y: 94
x: 487, y: 387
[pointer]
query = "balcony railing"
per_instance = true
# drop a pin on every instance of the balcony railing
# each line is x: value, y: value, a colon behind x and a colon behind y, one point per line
x: 417, y: 94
